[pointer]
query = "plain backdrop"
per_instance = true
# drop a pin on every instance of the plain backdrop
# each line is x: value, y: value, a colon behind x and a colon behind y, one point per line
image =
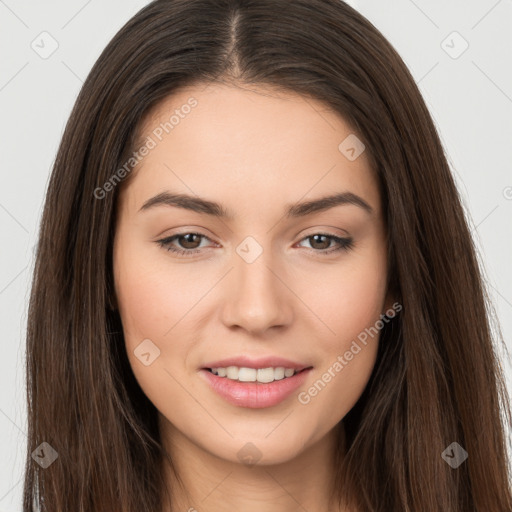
x: 459, y: 52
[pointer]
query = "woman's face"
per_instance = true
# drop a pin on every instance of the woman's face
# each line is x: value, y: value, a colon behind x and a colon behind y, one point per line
x: 275, y: 277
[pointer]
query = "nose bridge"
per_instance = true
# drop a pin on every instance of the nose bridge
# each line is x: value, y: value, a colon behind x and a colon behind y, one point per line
x: 257, y: 299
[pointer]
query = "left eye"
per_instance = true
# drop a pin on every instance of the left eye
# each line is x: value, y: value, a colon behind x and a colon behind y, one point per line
x: 189, y: 243
x: 343, y: 243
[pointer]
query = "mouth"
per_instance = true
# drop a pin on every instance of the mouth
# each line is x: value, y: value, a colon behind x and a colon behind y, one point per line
x: 257, y: 375
x: 248, y: 389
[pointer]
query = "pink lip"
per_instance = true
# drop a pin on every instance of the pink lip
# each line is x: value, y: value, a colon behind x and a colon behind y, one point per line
x: 254, y: 395
x: 262, y: 362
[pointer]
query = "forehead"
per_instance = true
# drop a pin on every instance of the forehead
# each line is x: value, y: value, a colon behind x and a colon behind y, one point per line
x: 253, y: 141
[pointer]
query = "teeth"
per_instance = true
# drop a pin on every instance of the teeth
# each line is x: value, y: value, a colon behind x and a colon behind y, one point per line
x: 263, y: 375
x: 232, y: 372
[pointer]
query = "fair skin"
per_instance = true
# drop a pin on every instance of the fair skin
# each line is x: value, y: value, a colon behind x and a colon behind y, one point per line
x: 255, y: 151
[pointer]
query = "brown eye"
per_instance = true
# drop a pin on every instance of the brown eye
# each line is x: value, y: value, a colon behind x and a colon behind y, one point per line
x: 321, y: 243
x: 183, y: 243
x: 189, y: 240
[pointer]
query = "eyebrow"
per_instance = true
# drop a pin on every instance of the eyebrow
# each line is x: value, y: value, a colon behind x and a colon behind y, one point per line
x: 200, y: 205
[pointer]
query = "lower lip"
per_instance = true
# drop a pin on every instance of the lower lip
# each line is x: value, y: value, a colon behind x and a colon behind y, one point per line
x: 255, y: 395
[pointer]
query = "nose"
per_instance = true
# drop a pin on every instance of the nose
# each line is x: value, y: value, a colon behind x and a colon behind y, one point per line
x: 257, y: 296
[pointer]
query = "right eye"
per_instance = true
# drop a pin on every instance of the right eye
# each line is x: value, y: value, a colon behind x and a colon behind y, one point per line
x: 184, y: 238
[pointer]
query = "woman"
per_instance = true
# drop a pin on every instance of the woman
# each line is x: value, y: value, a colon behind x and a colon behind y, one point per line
x: 191, y: 347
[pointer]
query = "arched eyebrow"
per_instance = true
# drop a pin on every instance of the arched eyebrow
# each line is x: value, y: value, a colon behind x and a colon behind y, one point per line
x: 208, y: 207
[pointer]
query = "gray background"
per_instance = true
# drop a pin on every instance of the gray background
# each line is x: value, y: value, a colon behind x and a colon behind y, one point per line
x: 470, y: 98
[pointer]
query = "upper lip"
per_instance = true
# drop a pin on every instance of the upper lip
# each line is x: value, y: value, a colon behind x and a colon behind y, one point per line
x: 261, y: 362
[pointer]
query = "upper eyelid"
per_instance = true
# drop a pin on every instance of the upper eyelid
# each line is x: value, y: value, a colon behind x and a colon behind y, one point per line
x: 177, y: 235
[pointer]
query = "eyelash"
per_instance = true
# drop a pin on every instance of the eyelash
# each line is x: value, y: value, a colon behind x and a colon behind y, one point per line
x: 345, y: 244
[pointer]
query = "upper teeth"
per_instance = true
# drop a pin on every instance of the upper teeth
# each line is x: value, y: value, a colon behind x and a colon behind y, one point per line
x: 244, y: 374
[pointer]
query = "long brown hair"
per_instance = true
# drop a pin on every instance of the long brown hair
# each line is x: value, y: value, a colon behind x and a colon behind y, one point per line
x: 437, y: 378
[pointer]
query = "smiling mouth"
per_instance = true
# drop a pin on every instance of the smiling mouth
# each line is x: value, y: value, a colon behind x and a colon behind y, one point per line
x: 245, y: 388
x: 254, y: 375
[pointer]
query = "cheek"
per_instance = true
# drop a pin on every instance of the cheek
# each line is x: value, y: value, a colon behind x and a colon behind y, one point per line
x: 348, y: 297
x: 350, y: 303
x: 152, y: 299
x: 336, y: 387
x: 152, y: 305
x: 347, y: 362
